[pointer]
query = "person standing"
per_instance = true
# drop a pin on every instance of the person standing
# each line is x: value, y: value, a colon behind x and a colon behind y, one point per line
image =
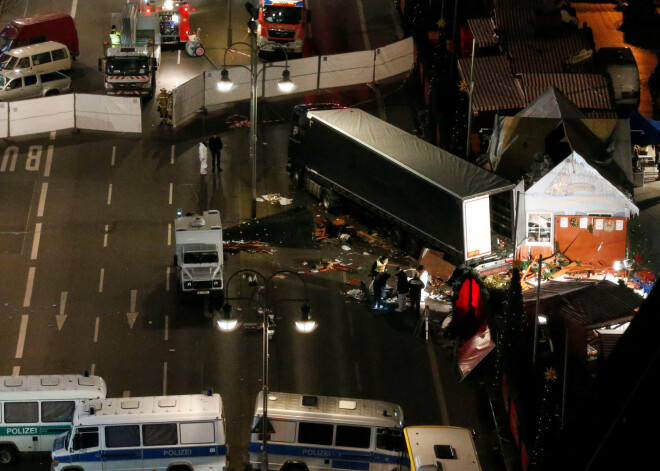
x: 379, y: 284
x: 416, y: 286
x: 115, y: 36
x: 402, y: 288
x: 215, y: 146
x: 203, y: 158
x: 162, y: 99
x: 425, y: 278
x: 379, y: 266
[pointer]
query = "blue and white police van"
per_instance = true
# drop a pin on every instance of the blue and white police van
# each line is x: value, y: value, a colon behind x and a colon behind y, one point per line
x: 324, y: 433
x: 175, y: 433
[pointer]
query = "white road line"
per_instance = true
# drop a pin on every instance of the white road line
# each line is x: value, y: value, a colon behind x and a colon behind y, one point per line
x: 101, y: 280
x: 357, y: 377
x: 127, y: 393
x: 171, y: 191
x: 49, y: 161
x: 178, y: 57
x: 363, y: 25
x: 21, y: 336
x: 92, y: 369
x: 437, y: 383
x: 63, y: 297
x: 165, y: 379
x: 169, y: 234
x: 28, y: 287
x: 52, y: 135
x: 35, y: 241
x: 105, y: 235
x: 109, y: 193
x: 167, y: 328
x: 167, y: 279
x: 172, y: 152
x: 96, y: 329
x: 16, y: 371
x: 133, y: 299
x: 114, y: 150
x: 73, y: 8
x: 42, y: 200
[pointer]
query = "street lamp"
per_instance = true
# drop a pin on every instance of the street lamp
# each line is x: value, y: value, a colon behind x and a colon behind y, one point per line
x: 227, y: 323
x: 225, y: 84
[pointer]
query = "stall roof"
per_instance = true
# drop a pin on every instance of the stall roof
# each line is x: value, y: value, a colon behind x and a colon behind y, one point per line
x: 483, y: 30
x: 585, y: 90
x: 549, y: 55
x: 449, y: 172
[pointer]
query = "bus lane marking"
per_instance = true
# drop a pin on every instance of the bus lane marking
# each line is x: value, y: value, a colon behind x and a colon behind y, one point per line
x: 172, y: 151
x: 105, y: 235
x: 61, y: 317
x: 171, y: 191
x: 169, y: 234
x: 101, y: 280
x: 49, y: 161
x: 21, y: 336
x: 109, y: 194
x: 35, y: 241
x: 167, y: 278
x: 167, y: 325
x: 92, y: 369
x: 96, y: 329
x: 28, y: 287
x: 42, y: 200
x: 114, y: 150
x: 16, y: 371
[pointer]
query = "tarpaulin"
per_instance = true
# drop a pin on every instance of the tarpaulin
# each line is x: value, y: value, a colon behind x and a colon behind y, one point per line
x: 303, y: 73
x: 643, y: 131
x: 4, y: 120
x: 41, y: 115
x: 108, y: 113
x: 187, y: 99
x: 475, y: 350
x: 341, y: 70
x: 394, y: 59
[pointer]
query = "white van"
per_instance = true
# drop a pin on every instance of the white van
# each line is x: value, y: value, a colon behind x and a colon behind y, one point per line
x: 324, y: 432
x: 44, y: 57
x: 34, y: 410
x: 185, y: 433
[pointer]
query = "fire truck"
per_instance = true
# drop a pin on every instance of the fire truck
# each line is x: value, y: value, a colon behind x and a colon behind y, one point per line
x: 130, y: 67
x: 173, y: 18
x: 282, y: 23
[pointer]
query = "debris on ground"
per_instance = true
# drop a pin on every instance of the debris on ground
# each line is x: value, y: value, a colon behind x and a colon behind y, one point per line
x: 293, y: 227
x: 275, y: 198
x: 251, y: 246
x: 327, y: 265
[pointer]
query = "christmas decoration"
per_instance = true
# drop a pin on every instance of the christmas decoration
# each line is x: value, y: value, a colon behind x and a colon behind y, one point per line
x: 548, y: 419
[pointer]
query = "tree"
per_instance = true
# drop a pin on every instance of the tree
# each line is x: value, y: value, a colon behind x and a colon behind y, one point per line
x: 548, y: 420
x: 459, y: 131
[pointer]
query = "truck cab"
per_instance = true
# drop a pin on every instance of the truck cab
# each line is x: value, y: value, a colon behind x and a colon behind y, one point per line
x: 199, y: 252
x: 282, y: 24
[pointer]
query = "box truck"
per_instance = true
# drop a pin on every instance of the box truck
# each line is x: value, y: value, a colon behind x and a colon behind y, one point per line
x: 199, y: 252
x: 38, y: 29
x: 426, y: 195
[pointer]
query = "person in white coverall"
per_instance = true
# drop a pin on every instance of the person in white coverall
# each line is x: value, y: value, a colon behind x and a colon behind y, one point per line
x: 203, y: 158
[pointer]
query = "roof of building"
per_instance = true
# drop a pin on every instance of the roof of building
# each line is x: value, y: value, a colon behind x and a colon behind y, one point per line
x: 586, y: 91
x: 550, y: 55
x: 494, y: 86
x: 483, y: 30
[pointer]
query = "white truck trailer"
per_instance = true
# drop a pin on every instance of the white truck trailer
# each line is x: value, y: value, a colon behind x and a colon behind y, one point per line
x: 199, y: 252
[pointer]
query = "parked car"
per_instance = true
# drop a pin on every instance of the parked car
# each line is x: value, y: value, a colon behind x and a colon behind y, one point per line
x: 45, y: 57
x: 19, y: 86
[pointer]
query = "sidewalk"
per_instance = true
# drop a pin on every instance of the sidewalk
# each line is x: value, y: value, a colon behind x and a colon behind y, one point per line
x: 647, y: 195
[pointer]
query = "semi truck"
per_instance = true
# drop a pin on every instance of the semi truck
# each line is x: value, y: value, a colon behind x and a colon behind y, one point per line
x: 282, y: 24
x: 130, y: 67
x: 425, y: 195
x: 199, y: 254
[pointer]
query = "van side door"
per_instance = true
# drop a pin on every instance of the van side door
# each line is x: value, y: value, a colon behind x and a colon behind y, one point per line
x: 122, y: 449
x: 85, y: 450
x: 56, y: 418
x: 21, y: 423
x: 353, y: 449
x: 390, y: 445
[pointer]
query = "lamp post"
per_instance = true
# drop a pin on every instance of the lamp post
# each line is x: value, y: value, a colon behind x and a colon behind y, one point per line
x: 227, y: 323
x: 225, y: 84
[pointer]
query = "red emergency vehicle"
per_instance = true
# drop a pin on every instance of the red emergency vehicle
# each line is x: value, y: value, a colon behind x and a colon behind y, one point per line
x: 173, y: 18
x: 282, y: 23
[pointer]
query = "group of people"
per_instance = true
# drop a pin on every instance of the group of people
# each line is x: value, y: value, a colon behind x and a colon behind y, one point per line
x: 413, y: 288
x: 214, y: 144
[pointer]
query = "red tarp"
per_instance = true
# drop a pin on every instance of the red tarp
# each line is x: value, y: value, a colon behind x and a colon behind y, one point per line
x: 475, y: 350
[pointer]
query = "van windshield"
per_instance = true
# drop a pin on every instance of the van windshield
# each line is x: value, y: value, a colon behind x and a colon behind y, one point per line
x: 8, y: 62
x: 3, y: 81
x: 284, y: 15
x: 200, y: 257
x: 127, y: 66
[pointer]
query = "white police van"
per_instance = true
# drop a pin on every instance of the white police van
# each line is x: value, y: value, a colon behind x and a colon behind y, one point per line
x: 439, y: 447
x: 34, y: 410
x: 175, y: 433
x: 322, y: 432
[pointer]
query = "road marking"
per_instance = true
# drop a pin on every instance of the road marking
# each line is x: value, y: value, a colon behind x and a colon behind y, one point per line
x: 28, y: 288
x: 114, y: 149
x: 133, y: 299
x: 63, y: 296
x: 73, y: 8
x: 105, y: 236
x: 101, y: 280
x: 35, y: 241
x: 132, y: 315
x: 171, y: 191
x: 167, y: 280
x: 96, y: 329
x: 363, y: 25
x: 167, y: 327
x: 435, y: 374
x: 127, y: 393
x: 165, y: 379
x: 52, y: 135
x: 357, y: 377
x: 49, y: 161
x: 109, y: 193
x: 21, y: 336
x: 92, y: 369
x: 42, y: 200
x: 16, y: 371
x: 169, y: 234
x: 178, y: 57
x: 61, y: 317
x: 172, y: 152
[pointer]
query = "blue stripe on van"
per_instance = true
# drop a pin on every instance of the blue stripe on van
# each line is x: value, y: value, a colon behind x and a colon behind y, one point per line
x: 336, y: 454
x: 118, y: 454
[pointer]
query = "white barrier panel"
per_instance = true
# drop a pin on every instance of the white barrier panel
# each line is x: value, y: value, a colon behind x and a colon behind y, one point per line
x: 108, y: 113
x: 304, y: 74
x: 41, y: 115
x: 347, y: 69
x: 394, y: 59
x: 240, y: 90
x: 4, y: 120
x: 188, y: 98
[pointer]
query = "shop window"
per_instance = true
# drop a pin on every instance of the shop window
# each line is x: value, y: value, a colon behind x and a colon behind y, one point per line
x: 539, y: 228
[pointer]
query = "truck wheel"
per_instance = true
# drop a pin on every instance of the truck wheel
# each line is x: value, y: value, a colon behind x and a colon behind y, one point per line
x: 8, y: 454
x: 296, y: 178
x: 329, y: 200
x: 397, y: 236
x: 413, y: 246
